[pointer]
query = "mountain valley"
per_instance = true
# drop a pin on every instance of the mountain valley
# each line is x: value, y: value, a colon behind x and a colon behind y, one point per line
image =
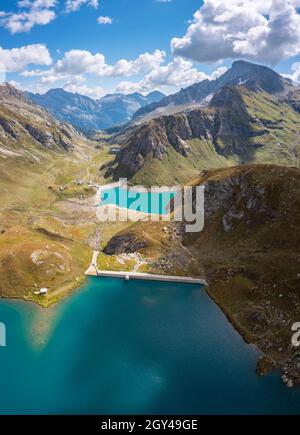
x: 242, y: 143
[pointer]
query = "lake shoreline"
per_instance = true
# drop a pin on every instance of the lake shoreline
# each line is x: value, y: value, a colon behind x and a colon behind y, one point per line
x: 264, y: 365
x: 220, y: 362
x: 241, y: 331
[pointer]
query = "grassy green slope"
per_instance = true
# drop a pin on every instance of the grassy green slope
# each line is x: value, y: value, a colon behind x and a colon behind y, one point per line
x: 281, y: 144
x: 246, y: 127
x: 47, y: 231
x: 174, y: 168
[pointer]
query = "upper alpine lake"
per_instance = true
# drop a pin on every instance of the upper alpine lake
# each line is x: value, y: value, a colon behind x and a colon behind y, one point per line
x: 145, y: 201
x: 132, y: 347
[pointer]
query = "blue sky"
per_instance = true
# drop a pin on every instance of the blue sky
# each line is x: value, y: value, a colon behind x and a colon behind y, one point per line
x: 44, y: 41
x: 138, y: 26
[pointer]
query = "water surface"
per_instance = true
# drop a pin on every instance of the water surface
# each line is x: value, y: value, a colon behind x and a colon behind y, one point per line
x: 146, y: 202
x: 137, y: 347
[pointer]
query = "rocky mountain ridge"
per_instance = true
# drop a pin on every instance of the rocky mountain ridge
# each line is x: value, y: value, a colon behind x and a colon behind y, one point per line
x: 240, y: 72
x: 254, y: 121
x: 27, y: 130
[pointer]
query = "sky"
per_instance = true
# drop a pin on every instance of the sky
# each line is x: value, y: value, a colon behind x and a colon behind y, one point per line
x: 95, y: 47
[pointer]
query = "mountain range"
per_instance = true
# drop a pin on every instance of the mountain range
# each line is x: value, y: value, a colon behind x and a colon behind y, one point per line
x: 87, y: 114
x: 240, y: 73
x: 251, y: 116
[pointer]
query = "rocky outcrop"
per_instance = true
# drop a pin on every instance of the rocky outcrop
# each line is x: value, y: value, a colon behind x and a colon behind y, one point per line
x: 7, y: 127
x: 44, y: 137
x: 238, y: 199
x: 293, y: 99
x: 124, y: 243
x: 149, y: 140
x: 153, y: 139
x: 189, y: 95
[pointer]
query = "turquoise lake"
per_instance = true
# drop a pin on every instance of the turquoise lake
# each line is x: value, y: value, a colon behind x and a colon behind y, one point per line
x: 146, y: 202
x: 132, y: 347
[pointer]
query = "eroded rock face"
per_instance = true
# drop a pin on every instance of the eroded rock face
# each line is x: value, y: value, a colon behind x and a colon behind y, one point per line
x: 147, y: 141
x: 7, y: 127
x: 201, y: 124
x: 234, y: 129
x: 124, y: 243
x: 246, y: 202
x: 232, y: 217
x: 50, y: 140
x: 154, y: 138
x: 44, y: 137
x: 238, y: 199
x: 28, y: 126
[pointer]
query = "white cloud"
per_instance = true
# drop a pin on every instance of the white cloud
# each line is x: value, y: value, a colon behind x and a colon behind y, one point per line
x: 29, y: 14
x: 78, y: 62
x: 77, y: 65
x: 266, y: 30
x: 33, y: 73
x: 178, y: 73
x: 38, y: 12
x: 105, y: 20
x: 75, y: 5
x: 144, y: 63
x: 295, y: 74
x: 75, y: 84
x: 17, y: 85
x: 16, y: 59
x: 218, y: 72
x: 95, y: 92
